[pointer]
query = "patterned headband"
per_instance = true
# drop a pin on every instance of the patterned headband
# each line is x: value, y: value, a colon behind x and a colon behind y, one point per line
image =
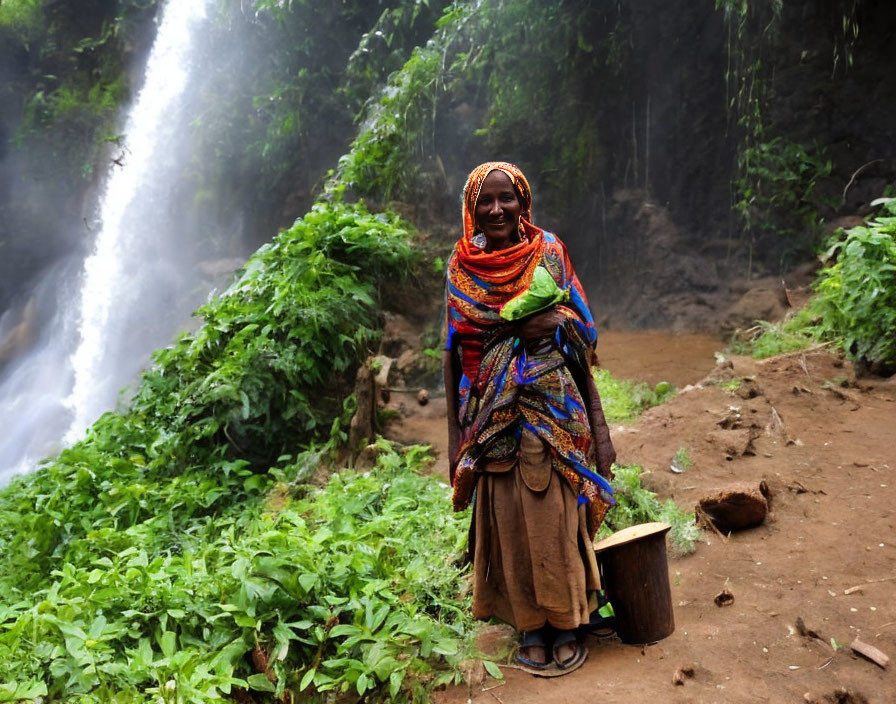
x: 474, y: 185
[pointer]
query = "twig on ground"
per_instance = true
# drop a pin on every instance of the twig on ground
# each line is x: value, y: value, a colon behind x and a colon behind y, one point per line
x: 808, y: 350
x: 709, y: 522
x: 878, y: 657
x: 868, y: 583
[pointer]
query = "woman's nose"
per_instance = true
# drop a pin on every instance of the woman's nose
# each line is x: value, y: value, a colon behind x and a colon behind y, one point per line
x: 495, y: 208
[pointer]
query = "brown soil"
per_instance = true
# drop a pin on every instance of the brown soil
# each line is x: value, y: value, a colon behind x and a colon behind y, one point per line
x: 830, y: 466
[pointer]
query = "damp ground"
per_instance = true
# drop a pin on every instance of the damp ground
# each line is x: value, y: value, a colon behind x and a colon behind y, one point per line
x: 824, y: 561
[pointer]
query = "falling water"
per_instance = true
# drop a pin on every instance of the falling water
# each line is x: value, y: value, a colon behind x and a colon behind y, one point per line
x: 130, y: 248
x: 140, y: 281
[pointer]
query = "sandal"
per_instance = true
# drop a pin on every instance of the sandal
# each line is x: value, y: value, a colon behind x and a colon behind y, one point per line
x: 602, y: 621
x: 578, y: 655
x: 532, y: 639
x: 599, y: 626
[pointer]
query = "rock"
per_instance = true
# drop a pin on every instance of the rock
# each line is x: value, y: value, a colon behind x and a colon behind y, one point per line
x: 682, y: 673
x: 736, y: 507
x: 423, y: 397
x: 761, y: 303
x: 724, y: 598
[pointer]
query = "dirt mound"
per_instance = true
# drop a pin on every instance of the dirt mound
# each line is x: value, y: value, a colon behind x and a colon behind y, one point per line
x: 683, y: 282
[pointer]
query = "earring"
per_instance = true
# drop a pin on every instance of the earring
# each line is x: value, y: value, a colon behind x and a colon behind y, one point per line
x: 479, y: 240
x: 521, y: 231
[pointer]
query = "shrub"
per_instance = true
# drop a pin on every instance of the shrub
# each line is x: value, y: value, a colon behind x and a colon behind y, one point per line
x: 352, y: 587
x: 635, y: 504
x: 856, y: 293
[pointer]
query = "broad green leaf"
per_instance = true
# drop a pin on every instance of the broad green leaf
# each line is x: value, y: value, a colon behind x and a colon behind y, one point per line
x: 261, y: 683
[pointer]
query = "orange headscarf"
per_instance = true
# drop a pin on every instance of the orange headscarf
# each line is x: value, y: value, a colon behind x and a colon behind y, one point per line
x: 500, y: 266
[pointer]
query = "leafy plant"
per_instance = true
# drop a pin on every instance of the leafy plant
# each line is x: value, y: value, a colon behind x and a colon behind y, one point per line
x: 249, y: 381
x: 776, y: 189
x: 625, y: 400
x: 278, y: 587
x: 856, y: 293
x: 635, y: 505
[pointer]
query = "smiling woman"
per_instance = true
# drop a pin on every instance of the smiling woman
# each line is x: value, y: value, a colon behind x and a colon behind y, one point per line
x: 497, y: 212
x: 527, y: 434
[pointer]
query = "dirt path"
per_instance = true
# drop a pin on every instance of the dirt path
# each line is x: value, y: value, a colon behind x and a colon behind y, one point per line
x: 832, y: 473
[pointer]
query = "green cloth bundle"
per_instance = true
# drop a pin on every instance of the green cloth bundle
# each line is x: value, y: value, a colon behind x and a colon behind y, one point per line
x: 543, y: 292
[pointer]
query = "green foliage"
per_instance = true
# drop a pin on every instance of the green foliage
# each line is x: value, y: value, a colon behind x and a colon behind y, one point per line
x: 776, y: 188
x: 765, y: 339
x: 250, y: 380
x: 530, y: 100
x: 624, y: 400
x: 351, y: 588
x: 397, y: 129
x: 635, y: 504
x: 856, y: 293
x: 23, y: 18
x: 538, y: 62
x: 854, y: 305
x: 237, y: 394
x: 277, y: 113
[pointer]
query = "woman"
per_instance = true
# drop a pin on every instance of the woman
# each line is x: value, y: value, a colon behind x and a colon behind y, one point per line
x: 527, y: 435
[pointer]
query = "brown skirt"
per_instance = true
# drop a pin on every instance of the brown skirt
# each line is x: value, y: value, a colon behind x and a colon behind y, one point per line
x: 532, y: 562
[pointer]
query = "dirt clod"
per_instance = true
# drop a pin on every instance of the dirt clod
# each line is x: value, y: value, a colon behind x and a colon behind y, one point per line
x: 724, y: 598
x: 732, y: 443
x: 736, y: 507
x: 681, y: 674
x: 839, y: 696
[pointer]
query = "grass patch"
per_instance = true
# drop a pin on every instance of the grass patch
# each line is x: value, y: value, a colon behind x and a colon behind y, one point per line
x: 764, y: 340
x: 635, y: 505
x: 731, y: 385
x: 682, y: 459
x: 624, y: 400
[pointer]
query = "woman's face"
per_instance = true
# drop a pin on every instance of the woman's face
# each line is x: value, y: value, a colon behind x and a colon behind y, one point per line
x: 498, y: 211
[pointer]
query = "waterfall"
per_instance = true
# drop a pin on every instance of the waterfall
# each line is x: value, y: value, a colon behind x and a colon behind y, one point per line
x: 139, y: 283
x: 129, y: 275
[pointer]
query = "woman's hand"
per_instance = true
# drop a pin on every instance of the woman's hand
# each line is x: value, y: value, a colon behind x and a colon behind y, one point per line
x: 542, y: 324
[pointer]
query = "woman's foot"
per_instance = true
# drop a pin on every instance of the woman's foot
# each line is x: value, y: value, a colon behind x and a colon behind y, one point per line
x: 567, y: 651
x: 533, y: 650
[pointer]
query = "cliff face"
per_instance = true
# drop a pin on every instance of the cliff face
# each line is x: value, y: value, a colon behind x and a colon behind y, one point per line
x: 785, y: 118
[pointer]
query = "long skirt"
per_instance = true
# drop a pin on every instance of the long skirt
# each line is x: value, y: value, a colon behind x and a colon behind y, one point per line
x: 532, y: 563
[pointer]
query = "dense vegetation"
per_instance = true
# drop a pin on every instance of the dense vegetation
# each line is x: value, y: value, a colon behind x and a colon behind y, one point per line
x: 178, y: 551
x: 193, y: 544
x: 701, y: 108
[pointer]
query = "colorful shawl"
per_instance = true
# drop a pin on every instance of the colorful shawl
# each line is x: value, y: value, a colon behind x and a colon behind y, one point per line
x: 505, y: 387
